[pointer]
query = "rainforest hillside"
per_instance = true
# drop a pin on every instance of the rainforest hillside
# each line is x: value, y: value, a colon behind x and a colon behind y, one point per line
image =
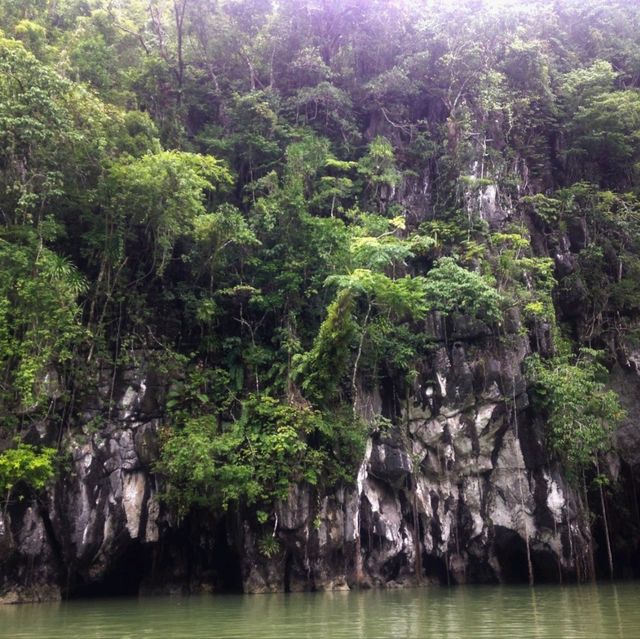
x: 268, y: 205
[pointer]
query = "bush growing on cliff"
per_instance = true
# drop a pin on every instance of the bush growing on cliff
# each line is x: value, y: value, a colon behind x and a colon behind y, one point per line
x: 581, y: 418
x: 527, y: 280
x: 39, y: 316
x: 450, y: 288
x: 254, y: 460
x: 27, y: 465
x: 582, y: 413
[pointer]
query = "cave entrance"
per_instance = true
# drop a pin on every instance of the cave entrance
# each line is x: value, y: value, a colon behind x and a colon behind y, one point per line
x: 435, y: 568
x: 288, y: 567
x: 191, y: 556
x: 511, y: 553
x: 226, y: 565
x: 545, y: 566
x: 123, y: 580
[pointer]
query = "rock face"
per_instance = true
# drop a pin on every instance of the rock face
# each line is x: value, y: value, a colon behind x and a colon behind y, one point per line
x: 103, y: 506
x: 458, y: 489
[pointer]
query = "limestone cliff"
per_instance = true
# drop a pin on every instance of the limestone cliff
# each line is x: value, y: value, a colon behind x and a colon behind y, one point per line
x: 457, y: 487
x: 456, y: 484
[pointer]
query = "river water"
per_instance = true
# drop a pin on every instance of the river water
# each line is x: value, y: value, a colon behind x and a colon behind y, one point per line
x: 569, y: 612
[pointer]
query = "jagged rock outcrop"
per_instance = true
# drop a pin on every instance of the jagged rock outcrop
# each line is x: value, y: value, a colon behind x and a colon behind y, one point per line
x: 105, y: 501
x: 458, y: 489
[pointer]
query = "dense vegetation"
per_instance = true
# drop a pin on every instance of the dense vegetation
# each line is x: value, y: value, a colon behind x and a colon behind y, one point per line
x: 267, y: 198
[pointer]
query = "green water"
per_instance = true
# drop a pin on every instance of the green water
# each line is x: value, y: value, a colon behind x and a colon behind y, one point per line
x: 569, y: 612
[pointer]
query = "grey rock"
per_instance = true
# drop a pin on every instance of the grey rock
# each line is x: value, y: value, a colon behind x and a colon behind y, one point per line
x: 389, y: 463
x: 456, y: 483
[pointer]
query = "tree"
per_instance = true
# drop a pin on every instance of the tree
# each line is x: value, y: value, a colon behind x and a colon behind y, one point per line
x: 605, y: 130
x: 582, y: 416
x: 378, y: 167
x: 27, y: 465
x: 52, y: 134
x: 449, y: 288
x: 253, y: 461
x: 164, y: 193
x: 39, y: 318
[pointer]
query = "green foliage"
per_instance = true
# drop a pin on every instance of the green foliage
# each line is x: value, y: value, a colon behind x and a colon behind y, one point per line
x: 164, y: 193
x: 33, y: 36
x: 378, y: 167
x: 320, y: 370
x: 25, y: 464
x: 51, y: 133
x: 254, y: 460
x: 379, y: 253
x: 202, y: 391
x: 449, y: 288
x: 582, y: 413
x: 547, y: 209
x: 39, y: 316
x: 398, y: 346
x: 604, y: 282
x: 327, y: 103
x: 529, y: 280
x: 398, y: 299
x: 606, y: 131
x: 403, y: 297
x: 269, y: 546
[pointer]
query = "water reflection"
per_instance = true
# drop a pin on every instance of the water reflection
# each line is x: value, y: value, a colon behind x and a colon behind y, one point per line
x: 571, y: 612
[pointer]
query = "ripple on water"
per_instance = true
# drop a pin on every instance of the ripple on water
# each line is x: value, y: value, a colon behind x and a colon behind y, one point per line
x: 570, y: 612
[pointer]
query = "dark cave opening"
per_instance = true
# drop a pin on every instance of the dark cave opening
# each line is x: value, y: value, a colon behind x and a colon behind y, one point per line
x: 545, y: 566
x: 435, y: 568
x: 391, y: 568
x: 122, y: 580
x: 176, y: 564
x: 288, y: 567
x: 226, y: 563
x: 623, y: 518
x: 511, y: 553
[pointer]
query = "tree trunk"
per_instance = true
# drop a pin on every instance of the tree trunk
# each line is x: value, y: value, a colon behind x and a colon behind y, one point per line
x: 587, y: 513
x: 605, y: 522
x: 416, y: 535
x: 354, y: 381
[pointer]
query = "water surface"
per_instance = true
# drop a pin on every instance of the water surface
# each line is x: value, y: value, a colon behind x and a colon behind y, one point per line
x: 569, y: 612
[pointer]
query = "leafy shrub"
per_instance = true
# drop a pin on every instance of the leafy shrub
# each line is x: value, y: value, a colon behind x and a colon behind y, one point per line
x: 449, y: 288
x: 582, y: 413
x: 255, y: 459
x: 25, y: 464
